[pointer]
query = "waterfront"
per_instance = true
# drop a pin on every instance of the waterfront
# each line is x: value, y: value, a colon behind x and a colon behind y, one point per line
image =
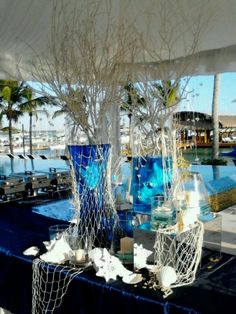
x: 63, y: 209
x: 16, y: 164
x: 199, y: 154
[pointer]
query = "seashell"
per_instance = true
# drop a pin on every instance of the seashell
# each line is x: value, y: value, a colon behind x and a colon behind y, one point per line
x: 132, y: 279
x: 59, y: 252
x: 33, y: 250
x: 167, y: 276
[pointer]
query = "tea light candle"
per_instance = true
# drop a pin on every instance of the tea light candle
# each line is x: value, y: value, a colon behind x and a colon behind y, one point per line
x: 126, y: 245
x: 79, y: 255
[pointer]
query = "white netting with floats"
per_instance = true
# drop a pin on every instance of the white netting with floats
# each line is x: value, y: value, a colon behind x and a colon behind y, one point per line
x: 177, y: 257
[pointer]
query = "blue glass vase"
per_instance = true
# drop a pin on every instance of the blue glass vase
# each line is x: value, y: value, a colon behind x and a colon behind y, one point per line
x: 90, y: 167
x: 149, y: 179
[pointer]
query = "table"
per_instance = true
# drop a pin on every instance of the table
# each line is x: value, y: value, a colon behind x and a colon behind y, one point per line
x: 214, y: 291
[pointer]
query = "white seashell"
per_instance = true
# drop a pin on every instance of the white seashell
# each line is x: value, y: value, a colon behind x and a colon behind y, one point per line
x: 33, y: 250
x: 132, y: 279
x: 167, y: 276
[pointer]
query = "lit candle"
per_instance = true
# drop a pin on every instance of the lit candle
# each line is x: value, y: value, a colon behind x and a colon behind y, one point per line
x: 79, y: 255
x: 126, y: 245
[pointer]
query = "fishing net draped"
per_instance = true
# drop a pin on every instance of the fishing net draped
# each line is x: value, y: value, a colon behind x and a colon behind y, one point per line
x: 50, y: 284
x: 95, y: 217
x: 177, y: 256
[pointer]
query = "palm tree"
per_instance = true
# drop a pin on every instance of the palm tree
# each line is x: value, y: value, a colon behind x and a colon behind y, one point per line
x: 132, y: 99
x: 168, y: 93
x: 30, y: 106
x: 215, y: 104
x: 11, y: 96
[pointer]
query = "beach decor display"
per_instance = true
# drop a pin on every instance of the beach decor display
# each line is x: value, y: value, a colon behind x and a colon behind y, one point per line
x: 83, y: 75
x: 89, y: 61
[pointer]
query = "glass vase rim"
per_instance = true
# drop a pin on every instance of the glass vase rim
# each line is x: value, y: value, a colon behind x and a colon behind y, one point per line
x: 158, y: 196
x: 150, y: 156
x: 89, y: 145
x: 190, y: 172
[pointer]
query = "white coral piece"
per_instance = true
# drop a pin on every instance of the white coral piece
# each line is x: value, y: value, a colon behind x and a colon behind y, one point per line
x: 58, y: 252
x: 107, y: 266
x: 140, y: 255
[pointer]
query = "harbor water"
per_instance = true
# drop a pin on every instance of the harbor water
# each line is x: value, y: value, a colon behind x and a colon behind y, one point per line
x: 63, y: 209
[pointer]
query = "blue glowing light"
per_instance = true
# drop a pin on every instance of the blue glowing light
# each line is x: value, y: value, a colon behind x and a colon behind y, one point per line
x: 148, y: 180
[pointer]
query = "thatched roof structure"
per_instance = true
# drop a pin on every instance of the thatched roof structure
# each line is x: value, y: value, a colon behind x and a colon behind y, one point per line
x: 195, y: 120
x: 202, y: 121
x: 228, y: 121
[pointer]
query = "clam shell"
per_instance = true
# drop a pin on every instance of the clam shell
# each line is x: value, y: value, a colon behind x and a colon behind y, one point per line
x: 167, y: 276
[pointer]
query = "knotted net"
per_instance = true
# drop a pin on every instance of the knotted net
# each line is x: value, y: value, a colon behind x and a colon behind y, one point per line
x: 50, y: 283
x: 92, y: 193
x: 177, y: 256
x: 95, y: 217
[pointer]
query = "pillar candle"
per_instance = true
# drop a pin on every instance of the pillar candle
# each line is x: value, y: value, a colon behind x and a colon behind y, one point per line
x: 126, y: 245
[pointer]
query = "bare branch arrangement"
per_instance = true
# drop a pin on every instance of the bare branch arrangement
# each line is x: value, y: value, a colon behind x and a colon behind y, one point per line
x: 92, y: 49
x: 161, y: 76
x: 86, y: 45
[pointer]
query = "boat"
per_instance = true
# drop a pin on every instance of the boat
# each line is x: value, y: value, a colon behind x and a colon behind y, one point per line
x: 232, y: 153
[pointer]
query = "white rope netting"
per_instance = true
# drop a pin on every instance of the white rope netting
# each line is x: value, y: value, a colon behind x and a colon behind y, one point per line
x: 95, y: 219
x: 153, y: 166
x: 177, y: 256
x: 50, y: 284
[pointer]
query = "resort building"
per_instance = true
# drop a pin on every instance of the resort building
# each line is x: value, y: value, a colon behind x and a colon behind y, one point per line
x: 228, y: 129
x: 197, y: 128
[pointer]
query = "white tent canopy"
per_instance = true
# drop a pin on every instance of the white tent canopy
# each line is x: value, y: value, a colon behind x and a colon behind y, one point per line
x: 26, y: 30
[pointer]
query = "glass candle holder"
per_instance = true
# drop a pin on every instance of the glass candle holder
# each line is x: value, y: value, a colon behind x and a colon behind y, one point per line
x: 81, y: 247
x: 190, y: 193
x: 162, y: 213
x: 122, y: 240
x: 56, y: 231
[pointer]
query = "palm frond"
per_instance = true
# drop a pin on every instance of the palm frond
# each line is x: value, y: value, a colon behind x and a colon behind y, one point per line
x: 59, y: 113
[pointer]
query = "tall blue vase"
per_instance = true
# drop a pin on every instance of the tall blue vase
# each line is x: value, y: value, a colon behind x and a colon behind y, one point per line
x: 90, y: 166
x: 149, y: 179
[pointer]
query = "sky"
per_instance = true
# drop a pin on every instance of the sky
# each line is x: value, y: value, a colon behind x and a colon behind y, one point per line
x: 201, y: 93
x: 200, y: 99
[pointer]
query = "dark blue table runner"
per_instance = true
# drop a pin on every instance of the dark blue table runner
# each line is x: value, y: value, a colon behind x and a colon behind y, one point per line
x: 212, y: 292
